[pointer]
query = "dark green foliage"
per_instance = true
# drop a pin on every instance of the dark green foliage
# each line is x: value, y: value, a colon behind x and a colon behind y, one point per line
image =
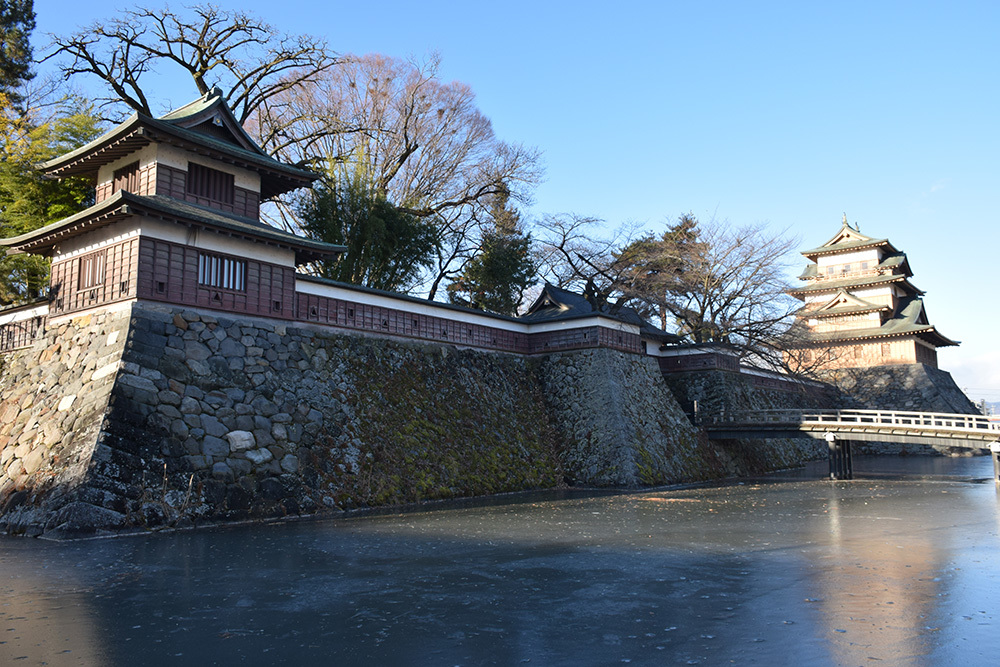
x: 495, y: 279
x: 386, y: 247
x: 17, y: 20
x: 29, y: 201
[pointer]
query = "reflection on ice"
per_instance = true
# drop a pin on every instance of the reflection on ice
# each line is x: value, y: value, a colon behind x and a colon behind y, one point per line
x: 790, y: 570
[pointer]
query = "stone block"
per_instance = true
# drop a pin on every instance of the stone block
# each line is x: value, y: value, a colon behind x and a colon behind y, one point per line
x: 290, y: 464
x: 213, y: 426
x: 137, y: 382
x: 240, y: 466
x: 231, y: 348
x: 198, y: 367
x: 33, y: 461
x: 169, y: 397
x: 259, y: 456
x: 212, y: 446
x: 223, y: 472
x: 169, y: 411
x: 196, y: 462
x: 263, y: 407
x: 241, y: 440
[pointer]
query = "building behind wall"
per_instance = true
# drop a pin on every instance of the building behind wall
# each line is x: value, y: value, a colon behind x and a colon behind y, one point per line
x: 860, y: 308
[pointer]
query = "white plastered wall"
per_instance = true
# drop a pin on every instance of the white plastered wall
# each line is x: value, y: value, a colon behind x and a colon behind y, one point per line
x: 179, y: 159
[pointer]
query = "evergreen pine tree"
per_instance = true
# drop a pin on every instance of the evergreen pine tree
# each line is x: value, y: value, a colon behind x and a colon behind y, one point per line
x: 495, y: 279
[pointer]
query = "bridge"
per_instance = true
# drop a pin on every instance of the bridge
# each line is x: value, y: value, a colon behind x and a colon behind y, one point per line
x: 840, y: 427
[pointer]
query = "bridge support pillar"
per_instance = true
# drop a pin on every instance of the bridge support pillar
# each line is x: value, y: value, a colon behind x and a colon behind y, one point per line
x: 995, y: 453
x: 841, y: 465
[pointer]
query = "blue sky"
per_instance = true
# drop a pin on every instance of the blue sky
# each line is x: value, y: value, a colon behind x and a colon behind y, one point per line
x: 746, y: 112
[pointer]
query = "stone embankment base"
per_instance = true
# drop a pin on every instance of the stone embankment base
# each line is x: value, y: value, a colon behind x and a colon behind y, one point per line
x: 906, y: 387
x: 149, y: 416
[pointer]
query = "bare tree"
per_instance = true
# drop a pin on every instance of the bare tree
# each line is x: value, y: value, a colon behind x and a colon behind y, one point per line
x: 722, y: 284
x: 423, y: 145
x: 573, y: 253
x: 711, y: 284
x: 249, y: 59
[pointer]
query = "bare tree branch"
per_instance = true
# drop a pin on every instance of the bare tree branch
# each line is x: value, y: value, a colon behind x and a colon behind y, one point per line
x: 246, y: 57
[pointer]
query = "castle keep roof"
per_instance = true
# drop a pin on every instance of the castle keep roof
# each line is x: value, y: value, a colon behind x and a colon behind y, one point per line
x: 848, y: 240
x: 857, y: 289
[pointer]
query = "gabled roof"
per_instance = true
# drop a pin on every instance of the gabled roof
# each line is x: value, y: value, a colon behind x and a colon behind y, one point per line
x: 847, y: 239
x: 909, y: 320
x: 858, y: 282
x: 555, y: 304
x: 123, y: 204
x: 204, y: 127
x: 845, y: 303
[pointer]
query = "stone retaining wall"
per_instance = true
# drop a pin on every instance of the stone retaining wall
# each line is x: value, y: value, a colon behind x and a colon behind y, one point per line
x: 909, y: 387
x: 159, y: 416
x: 915, y: 387
x: 620, y: 424
x: 54, y: 396
x: 720, y: 391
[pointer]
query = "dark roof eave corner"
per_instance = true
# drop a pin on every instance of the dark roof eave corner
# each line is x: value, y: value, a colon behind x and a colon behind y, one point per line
x: 305, y: 256
x: 131, y: 126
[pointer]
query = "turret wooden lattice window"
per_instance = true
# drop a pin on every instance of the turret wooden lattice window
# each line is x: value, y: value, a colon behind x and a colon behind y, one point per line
x: 126, y: 178
x: 224, y: 272
x: 92, y: 270
x: 210, y: 183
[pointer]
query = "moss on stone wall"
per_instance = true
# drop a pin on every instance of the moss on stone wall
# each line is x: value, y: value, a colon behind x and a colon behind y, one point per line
x: 431, y: 422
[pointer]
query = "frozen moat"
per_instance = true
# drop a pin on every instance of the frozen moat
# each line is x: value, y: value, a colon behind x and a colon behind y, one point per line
x: 902, y: 568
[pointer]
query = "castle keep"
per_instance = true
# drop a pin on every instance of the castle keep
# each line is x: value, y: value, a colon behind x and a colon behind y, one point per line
x: 860, y: 307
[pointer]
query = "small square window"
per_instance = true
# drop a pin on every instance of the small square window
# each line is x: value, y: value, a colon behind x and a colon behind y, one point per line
x: 92, y: 270
x: 224, y: 272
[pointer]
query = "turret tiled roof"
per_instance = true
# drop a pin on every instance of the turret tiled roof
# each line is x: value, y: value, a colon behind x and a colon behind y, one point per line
x: 123, y: 204
x: 205, y: 127
x: 557, y: 304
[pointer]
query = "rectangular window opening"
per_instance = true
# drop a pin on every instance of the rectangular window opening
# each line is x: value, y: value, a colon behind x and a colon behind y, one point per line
x: 210, y: 183
x: 92, y: 270
x: 223, y: 272
x: 126, y: 178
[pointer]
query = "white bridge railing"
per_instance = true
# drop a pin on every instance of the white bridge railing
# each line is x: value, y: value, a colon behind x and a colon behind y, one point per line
x: 978, y: 425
